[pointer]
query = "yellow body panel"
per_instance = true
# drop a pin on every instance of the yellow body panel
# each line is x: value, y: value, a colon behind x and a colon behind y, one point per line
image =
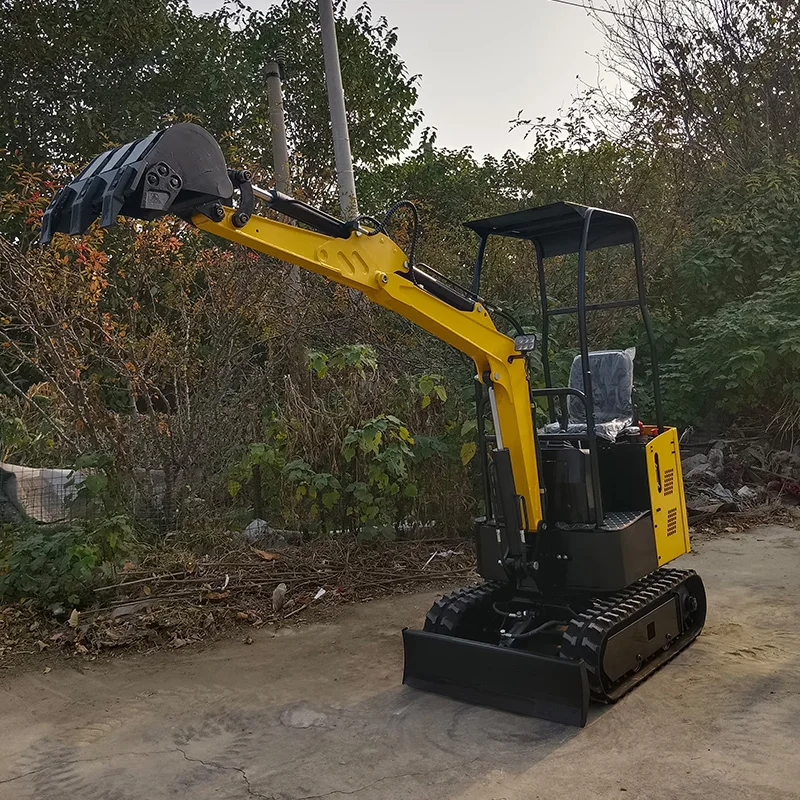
x: 376, y: 266
x: 666, y: 496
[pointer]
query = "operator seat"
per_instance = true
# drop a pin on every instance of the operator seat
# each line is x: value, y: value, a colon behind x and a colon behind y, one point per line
x: 612, y: 393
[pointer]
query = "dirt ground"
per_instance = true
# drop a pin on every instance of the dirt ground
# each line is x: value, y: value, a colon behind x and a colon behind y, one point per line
x: 317, y: 711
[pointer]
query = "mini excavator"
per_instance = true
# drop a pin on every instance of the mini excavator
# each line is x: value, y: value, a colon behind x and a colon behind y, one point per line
x: 581, y: 515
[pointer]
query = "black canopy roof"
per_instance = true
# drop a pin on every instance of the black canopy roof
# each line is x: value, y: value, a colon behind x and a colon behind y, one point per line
x: 557, y: 228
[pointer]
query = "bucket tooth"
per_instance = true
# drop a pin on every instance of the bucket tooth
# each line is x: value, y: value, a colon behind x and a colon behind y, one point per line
x: 52, y: 214
x: 114, y: 195
x: 82, y: 212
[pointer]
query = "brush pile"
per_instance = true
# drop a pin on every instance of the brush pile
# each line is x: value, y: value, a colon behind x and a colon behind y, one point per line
x: 178, y: 600
x: 740, y: 472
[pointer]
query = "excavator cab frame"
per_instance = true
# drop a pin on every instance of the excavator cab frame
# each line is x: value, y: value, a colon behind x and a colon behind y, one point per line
x: 563, y: 229
x: 613, y: 480
x: 575, y: 604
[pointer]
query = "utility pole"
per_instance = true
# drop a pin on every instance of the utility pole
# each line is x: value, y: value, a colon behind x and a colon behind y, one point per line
x: 341, y: 138
x: 280, y: 148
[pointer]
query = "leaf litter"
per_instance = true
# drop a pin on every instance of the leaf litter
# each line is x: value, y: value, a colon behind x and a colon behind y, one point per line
x: 174, y: 599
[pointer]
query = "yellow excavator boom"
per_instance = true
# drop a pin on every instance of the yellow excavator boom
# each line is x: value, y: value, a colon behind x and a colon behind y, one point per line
x: 376, y: 266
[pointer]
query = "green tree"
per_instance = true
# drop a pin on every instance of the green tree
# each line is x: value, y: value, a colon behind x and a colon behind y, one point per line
x: 79, y: 75
x: 732, y: 331
x: 713, y: 82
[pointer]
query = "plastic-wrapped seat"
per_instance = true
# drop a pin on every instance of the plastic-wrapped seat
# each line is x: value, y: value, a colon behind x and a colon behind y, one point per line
x: 612, y: 393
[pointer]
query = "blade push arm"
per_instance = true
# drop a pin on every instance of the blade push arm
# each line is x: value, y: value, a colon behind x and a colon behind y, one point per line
x: 376, y: 266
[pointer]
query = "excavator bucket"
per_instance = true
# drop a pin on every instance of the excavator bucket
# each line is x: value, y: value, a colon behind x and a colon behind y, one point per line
x: 512, y: 680
x: 171, y: 171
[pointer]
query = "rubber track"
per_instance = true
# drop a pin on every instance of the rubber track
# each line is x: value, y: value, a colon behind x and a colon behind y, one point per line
x: 447, y: 613
x: 587, y: 632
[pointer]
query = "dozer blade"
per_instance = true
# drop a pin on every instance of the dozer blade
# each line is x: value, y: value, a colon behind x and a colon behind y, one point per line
x: 512, y: 680
x: 171, y: 171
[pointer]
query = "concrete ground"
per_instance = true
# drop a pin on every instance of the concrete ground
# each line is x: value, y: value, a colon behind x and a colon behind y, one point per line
x: 318, y: 712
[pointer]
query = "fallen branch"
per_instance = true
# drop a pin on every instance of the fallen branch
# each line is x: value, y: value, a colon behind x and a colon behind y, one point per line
x: 422, y: 576
x: 296, y: 611
x: 141, y: 580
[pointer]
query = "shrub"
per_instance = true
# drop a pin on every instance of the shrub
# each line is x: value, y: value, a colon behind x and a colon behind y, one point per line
x: 744, y: 359
x: 733, y: 339
x: 358, y: 449
x: 59, y: 564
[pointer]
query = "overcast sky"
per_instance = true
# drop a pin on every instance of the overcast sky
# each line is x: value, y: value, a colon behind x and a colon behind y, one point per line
x: 482, y: 61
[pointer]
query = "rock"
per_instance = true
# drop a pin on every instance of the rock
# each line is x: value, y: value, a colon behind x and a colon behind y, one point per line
x: 280, y: 536
x: 711, y: 500
x: 785, y: 463
x: 260, y: 532
x: 747, y: 493
x: 149, y: 497
x: 693, y: 462
x: 722, y: 494
x: 44, y: 495
x: 756, y: 454
x: 715, y: 458
x: 279, y: 597
x: 52, y: 495
x: 703, y: 471
x: 256, y: 531
x: 701, y: 506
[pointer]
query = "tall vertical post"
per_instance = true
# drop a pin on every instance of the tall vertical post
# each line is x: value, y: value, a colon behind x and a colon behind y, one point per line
x: 588, y: 389
x: 280, y: 148
x: 341, y: 138
x: 277, y: 126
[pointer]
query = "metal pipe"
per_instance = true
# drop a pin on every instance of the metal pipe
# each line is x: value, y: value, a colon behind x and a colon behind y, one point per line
x: 341, y: 139
x: 314, y: 217
x: 476, y: 275
x: 648, y: 326
x: 561, y: 394
x: 498, y: 437
x: 480, y: 403
x: 263, y: 194
x: 545, y: 329
x: 586, y: 370
x: 280, y: 149
x: 554, y: 312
